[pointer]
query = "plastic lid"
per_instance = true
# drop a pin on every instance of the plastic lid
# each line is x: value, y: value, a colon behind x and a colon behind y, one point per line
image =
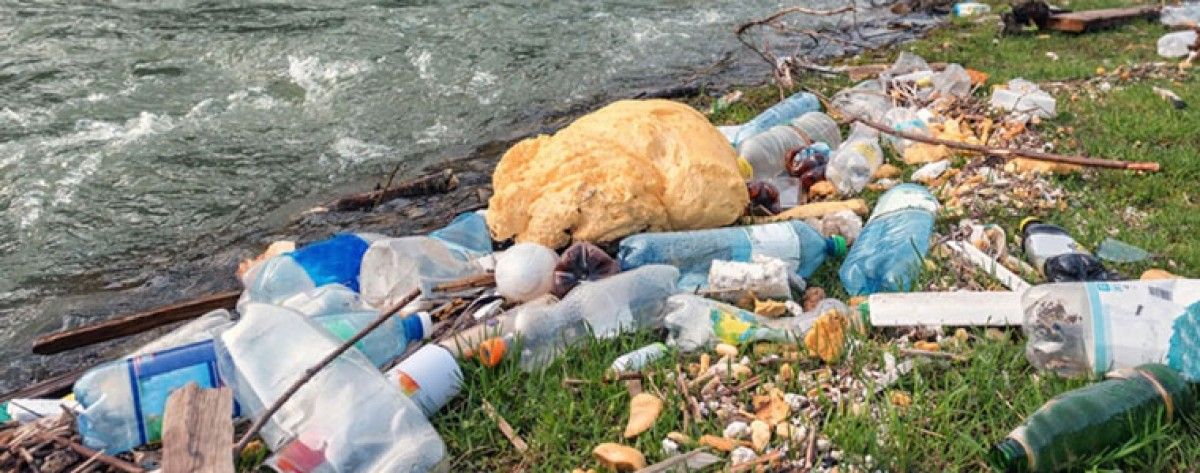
x: 836, y: 246
x: 417, y: 326
x: 430, y: 377
x: 1027, y: 221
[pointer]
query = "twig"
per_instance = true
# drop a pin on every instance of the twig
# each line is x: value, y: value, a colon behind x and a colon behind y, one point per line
x: 765, y: 459
x: 309, y: 373
x: 114, y: 462
x: 468, y: 282
x: 931, y: 354
x: 388, y: 185
x: 506, y: 429
x: 788, y: 11
x: 810, y: 452
x: 437, y: 183
x: 1009, y: 153
x: 681, y: 386
x: 84, y: 466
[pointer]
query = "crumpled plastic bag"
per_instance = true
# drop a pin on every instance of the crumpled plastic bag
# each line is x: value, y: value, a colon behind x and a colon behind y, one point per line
x: 632, y: 166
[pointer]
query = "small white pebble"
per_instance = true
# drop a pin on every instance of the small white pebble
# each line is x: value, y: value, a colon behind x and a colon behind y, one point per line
x: 869, y: 461
x: 823, y: 445
x: 745, y: 361
x: 837, y: 455
x: 736, y: 430
x: 669, y: 447
x: 742, y: 455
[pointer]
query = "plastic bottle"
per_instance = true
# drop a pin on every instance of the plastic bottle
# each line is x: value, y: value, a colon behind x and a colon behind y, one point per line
x: 1077, y: 329
x: 383, y: 344
x: 866, y: 99
x: 430, y: 377
x: 962, y: 9
x: 347, y: 417
x: 809, y: 164
x: 394, y: 266
x: 1052, y: 251
x: 525, y: 271
x: 695, y: 323
x: 123, y: 400
x: 627, y: 301
x: 817, y: 127
x: 1093, y: 419
x: 779, y: 114
x: 907, y: 120
x: 764, y: 276
x: 335, y: 260
x: 851, y: 166
x: 888, y: 253
x: 324, y: 300
x: 637, y: 359
x: 796, y: 243
x: 767, y: 151
x: 1177, y: 44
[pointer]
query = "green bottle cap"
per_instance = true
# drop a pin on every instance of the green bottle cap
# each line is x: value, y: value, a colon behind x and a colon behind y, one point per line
x: 836, y: 246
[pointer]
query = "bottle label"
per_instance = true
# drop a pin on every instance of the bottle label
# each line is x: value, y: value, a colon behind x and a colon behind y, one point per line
x: 777, y: 240
x: 1042, y: 246
x: 155, y: 376
x: 1131, y: 323
x: 904, y: 197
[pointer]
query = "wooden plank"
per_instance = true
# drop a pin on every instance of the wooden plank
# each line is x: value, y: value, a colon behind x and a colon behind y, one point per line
x: 55, y: 386
x: 1091, y: 20
x: 133, y: 324
x: 953, y: 309
x: 198, y: 431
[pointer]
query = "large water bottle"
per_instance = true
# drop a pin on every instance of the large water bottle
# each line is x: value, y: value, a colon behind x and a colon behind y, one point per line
x: 347, y: 417
x: 796, y: 243
x: 888, y: 253
x: 779, y: 114
x: 393, y: 267
x: 1077, y: 329
x: 383, y: 344
x: 335, y: 260
x: 852, y: 165
x: 123, y: 401
x: 627, y: 301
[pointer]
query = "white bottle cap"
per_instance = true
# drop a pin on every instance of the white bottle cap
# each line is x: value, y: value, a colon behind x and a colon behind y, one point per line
x: 430, y: 377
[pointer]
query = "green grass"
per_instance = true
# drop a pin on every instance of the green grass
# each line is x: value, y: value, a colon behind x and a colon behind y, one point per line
x: 959, y: 410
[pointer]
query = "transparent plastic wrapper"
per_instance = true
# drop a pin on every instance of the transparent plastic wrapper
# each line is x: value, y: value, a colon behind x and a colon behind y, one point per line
x: 1177, y: 44
x: 582, y: 261
x: 765, y: 276
x: 1180, y: 16
x: 1095, y: 418
x: 201, y: 329
x: 1081, y: 329
x: 767, y: 152
x: 383, y: 344
x: 627, y: 301
x: 865, y: 100
x: 953, y: 81
x: 779, y: 114
x: 335, y: 260
x: 818, y: 127
x: 845, y: 223
x: 931, y: 171
x: 889, y: 252
x: 346, y: 418
x: 696, y: 323
x: 324, y: 300
x: 794, y: 242
x: 907, y: 120
x: 851, y: 166
x: 393, y: 267
x: 25, y: 410
x: 907, y: 64
x: 525, y: 271
x: 1025, y: 98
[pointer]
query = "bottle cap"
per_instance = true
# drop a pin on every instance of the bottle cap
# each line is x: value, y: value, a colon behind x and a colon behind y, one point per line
x: 491, y: 351
x: 1027, y: 221
x: 1010, y: 454
x: 417, y: 326
x: 430, y: 377
x: 836, y: 246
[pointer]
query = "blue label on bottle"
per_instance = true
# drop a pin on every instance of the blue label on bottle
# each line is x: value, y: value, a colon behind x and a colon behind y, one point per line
x: 155, y: 376
x: 336, y: 260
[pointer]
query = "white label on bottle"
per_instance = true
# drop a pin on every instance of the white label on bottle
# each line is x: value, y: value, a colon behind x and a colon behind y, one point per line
x: 903, y: 198
x: 1131, y: 322
x: 1042, y: 246
x: 777, y: 240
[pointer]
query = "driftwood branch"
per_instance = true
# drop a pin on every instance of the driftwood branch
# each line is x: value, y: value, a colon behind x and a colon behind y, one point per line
x: 132, y: 324
x: 771, y: 21
x: 1009, y: 153
x: 116, y: 463
x: 438, y: 183
x: 309, y: 373
x: 50, y: 387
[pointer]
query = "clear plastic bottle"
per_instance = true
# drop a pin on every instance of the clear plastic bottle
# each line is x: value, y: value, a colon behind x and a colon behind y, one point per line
x: 1052, y: 251
x: 324, y: 300
x: 383, y: 344
x: 779, y: 114
x: 347, y: 417
x: 767, y: 152
x: 1079, y: 329
x: 696, y: 323
x: 335, y: 260
x: 889, y: 252
x: 907, y: 120
x: 606, y: 308
x: 394, y: 266
x: 637, y: 359
x: 851, y: 166
x: 818, y: 127
x: 794, y: 242
x: 430, y: 377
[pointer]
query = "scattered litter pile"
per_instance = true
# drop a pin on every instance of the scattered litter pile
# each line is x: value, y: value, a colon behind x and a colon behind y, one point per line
x: 644, y: 217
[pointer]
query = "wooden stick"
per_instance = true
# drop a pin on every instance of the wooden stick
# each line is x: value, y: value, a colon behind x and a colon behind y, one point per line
x: 815, y: 209
x: 931, y: 354
x: 1009, y: 153
x: 114, y: 462
x: 788, y: 11
x: 468, y: 282
x: 309, y: 373
x: 51, y: 387
x: 437, y: 183
x: 133, y: 324
x: 768, y: 458
x: 506, y: 429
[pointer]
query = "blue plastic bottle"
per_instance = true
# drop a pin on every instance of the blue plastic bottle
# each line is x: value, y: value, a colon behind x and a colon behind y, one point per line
x: 781, y: 113
x: 335, y: 260
x: 692, y: 252
x: 888, y: 253
x: 383, y: 344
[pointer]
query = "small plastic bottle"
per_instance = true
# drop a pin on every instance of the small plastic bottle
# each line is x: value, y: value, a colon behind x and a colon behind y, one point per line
x: 383, y: 344
x: 767, y: 151
x: 1051, y: 250
x: 335, y: 260
x: 779, y: 114
x: 794, y: 242
x: 637, y: 359
x: 394, y: 266
x: 696, y: 323
x: 851, y: 166
x: 430, y: 377
x: 889, y: 252
x: 1093, y: 419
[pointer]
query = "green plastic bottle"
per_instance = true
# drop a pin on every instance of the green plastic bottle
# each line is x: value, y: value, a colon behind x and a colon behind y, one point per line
x: 1093, y: 418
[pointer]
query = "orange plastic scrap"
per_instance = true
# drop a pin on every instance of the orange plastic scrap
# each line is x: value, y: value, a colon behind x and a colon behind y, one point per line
x: 977, y: 77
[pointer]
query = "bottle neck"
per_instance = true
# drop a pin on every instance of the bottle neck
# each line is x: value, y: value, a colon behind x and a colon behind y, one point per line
x: 1009, y: 455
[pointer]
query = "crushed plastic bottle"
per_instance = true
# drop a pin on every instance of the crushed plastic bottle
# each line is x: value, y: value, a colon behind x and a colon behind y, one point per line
x: 627, y: 301
x: 764, y: 276
x: 851, y: 166
x: 779, y: 114
x: 953, y: 81
x: 1022, y: 97
x: 335, y: 260
x: 393, y: 267
x: 347, y: 417
x: 767, y: 152
x: 696, y: 323
x: 907, y: 120
x: 796, y: 243
x: 1117, y: 251
x: 525, y: 271
x: 865, y: 100
x: 1093, y: 419
x: 1052, y: 251
x: 1079, y: 329
x: 1177, y: 44
x: 888, y: 253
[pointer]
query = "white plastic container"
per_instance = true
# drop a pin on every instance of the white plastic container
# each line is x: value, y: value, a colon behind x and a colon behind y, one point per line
x: 1176, y: 44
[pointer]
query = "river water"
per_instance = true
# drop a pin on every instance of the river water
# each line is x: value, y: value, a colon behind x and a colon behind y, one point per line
x: 139, y: 137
